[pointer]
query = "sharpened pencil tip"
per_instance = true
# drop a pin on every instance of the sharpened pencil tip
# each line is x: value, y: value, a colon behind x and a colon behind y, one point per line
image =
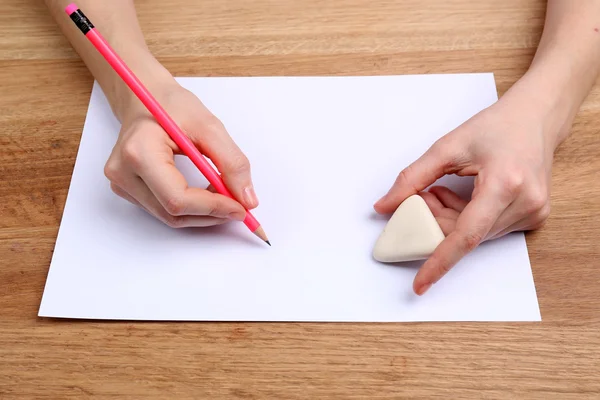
x: 261, y: 234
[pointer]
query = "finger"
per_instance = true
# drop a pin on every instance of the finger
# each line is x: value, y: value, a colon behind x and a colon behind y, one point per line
x: 170, y: 188
x: 472, y: 226
x: 138, y: 189
x: 434, y: 204
x: 211, y: 189
x: 527, y: 211
x: 122, y: 193
x: 233, y: 165
x: 504, y: 232
x: 526, y: 224
x: 448, y: 198
x: 435, y: 163
x: 445, y: 217
x: 512, y: 216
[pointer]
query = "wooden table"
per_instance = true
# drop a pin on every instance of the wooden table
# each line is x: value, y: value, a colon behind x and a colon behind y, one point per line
x: 44, y: 93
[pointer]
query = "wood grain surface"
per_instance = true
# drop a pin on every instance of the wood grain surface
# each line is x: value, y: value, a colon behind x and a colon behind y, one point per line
x: 44, y: 94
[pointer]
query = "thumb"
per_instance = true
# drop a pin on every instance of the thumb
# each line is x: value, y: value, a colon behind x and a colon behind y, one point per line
x: 232, y: 163
x: 436, y: 162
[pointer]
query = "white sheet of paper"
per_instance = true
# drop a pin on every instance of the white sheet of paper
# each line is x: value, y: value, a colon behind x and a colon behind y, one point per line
x: 323, y: 150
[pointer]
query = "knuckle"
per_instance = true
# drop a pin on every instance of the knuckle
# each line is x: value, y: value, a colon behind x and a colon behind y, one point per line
x: 131, y: 154
x: 512, y: 181
x: 111, y: 171
x: 213, y: 124
x: 404, y: 176
x: 450, y: 152
x: 173, y: 221
x: 544, y: 212
x: 175, y: 205
x: 443, y: 268
x: 541, y: 217
x: 216, y: 209
x: 212, y: 208
x: 537, y: 200
x: 537, y: 225
x: 115, y: 189
x: 443, y: 143
x: 442, y: 146
x: 403, y: 180
x: 439, y: 146
x: 470, y: 241
x: 240, y: 164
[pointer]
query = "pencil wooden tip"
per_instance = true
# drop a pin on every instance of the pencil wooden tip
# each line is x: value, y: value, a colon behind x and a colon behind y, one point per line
x: 261, y: 234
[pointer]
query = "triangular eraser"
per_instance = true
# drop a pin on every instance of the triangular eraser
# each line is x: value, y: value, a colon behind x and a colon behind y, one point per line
x: 412, y: 233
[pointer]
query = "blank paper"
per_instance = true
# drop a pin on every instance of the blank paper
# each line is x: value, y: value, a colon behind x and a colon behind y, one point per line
x: 323, y: 150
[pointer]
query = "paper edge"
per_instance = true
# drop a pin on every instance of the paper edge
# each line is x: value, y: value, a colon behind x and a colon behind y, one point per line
x: 96, y: 87
x: 93, y: 92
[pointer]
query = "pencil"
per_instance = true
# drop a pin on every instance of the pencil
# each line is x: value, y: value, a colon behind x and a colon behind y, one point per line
x: 172, y: 129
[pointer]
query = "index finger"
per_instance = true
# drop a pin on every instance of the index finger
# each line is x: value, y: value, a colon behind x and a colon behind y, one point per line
x: 436, y: 162
x: 472, y: 226
x: 172, y: 191
x: 232, y: 163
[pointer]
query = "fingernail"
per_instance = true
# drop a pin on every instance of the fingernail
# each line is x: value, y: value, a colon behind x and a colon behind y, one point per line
x: 423, y: 289
x: 250, y: 197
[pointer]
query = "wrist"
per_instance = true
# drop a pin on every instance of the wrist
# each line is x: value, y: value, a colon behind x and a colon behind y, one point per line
x: 547, y: 100
x: 154, y: 77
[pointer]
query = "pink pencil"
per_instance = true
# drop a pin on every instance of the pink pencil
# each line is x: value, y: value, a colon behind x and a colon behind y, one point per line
x: 184, y: 143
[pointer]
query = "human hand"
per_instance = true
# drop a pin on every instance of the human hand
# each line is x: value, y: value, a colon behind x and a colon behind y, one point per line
x: 509, y: 148
x: 142, y: 170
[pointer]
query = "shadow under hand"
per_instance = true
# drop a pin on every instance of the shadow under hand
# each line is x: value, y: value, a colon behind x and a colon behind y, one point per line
x: 143, y: 226
x: 409, y: 265
x: 375, y: 216
x: 226, y: 233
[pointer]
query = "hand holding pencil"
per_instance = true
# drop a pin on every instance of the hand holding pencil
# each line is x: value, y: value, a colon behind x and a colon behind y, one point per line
x: 141, y: 166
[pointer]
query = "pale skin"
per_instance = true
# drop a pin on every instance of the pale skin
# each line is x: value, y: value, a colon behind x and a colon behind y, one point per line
x: 508, y: 147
